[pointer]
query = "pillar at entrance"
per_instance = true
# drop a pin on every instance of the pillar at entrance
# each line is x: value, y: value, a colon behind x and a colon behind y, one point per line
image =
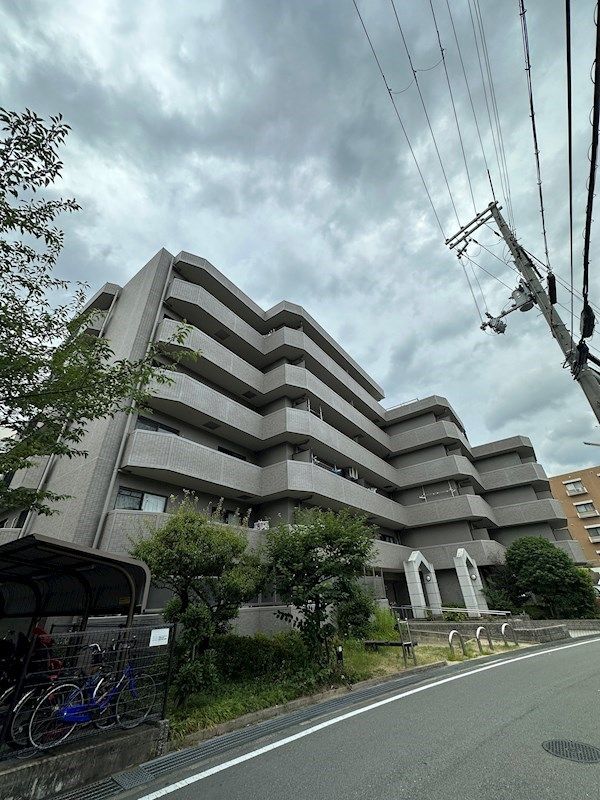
x: 416, y: 566
x: 470, y: 582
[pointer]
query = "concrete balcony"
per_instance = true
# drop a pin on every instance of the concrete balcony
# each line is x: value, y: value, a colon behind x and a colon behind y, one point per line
x: 191, y: 401
x: 531, y: 474
x: 453, y: 509
x: 217, y: 363
x: 320, y: 487
x: 390, y: 556
x: 514, y: 444
x: 299, y: 381
x: 549, y: 511
x: 181, y: 462
x: 196, y: 403
x: 485, y: 553
x: 573, y: 549
x: 293, y: 344
x: 436, y: 433
x: 415, y: 408
x: 207, y: 313
x: 201, y: 272
x: 441, y: 469
x: 297, y: 424
x: 123, y: 526
x: 202, y: 309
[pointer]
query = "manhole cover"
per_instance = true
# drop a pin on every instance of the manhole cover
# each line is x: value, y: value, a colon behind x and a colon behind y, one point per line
x: 574, y: 751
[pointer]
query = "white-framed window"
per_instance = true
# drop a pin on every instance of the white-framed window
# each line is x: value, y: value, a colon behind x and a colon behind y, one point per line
x: 593, y: 532
x: 574, y: 486
x: 585, y: 509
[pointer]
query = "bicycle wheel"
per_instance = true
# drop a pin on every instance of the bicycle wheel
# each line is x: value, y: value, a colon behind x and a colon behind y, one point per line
x: 105, y: 695
x: 46, y: 727
x: 19, y: 725
x: 135, y: 701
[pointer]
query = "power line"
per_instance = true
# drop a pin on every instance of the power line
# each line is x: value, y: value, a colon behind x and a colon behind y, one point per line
x: 536, y: 149
x: 570, y: 146
x: 489, y: 114
x: 464, y: 71
x: 494, y: 104
x: 460, y: 139
x: 435, y: 144
x: 592, y: 178
x: 404, y: 131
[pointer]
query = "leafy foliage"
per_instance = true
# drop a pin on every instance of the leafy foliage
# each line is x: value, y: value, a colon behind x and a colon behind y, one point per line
x: 354, y: 612
x: 313, y: 564
x: 208, y: 568
x: 535, y: 567
x: 54, y: 377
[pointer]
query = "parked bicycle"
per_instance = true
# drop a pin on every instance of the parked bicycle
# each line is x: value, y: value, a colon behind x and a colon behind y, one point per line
x: 104, y: 698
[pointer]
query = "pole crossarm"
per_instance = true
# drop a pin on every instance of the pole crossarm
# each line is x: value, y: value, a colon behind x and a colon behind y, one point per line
x: 532, y: 291
x: 470, y: 228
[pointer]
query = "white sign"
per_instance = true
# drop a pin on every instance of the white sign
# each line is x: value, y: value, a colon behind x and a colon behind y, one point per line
x: 159, y: 636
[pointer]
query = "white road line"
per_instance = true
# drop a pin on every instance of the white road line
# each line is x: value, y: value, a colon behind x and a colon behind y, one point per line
x: 348, y: 715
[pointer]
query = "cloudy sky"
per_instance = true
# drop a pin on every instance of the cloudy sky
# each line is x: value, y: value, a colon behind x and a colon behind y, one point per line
x: 259, y: 134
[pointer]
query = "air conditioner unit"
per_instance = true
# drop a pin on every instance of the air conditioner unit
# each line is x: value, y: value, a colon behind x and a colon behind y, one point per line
x: 352, y: 473
x: 261, y: 525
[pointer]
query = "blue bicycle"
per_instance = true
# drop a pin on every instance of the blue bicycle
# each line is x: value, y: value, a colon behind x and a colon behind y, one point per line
x: 103, y: 700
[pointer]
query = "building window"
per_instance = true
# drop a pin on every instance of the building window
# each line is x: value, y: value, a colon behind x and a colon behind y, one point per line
x: 593, y: 532
x: 586, y: 509
x: 134, y: 500
x: 147, y: 424
x: 232, y: 453
x: 574, y: 487
x: 21, y: 519
x: 3, y: 522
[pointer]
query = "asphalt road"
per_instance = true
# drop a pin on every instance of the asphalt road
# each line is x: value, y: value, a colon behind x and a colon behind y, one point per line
x: 476, y: 736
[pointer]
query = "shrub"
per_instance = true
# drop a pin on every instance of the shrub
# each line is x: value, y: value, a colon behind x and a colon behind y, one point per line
x: 260, y: 656
x: 354, y: 612
x: 455, y: 616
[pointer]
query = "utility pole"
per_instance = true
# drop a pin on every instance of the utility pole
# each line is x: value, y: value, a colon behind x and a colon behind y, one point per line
x: 529, y: 292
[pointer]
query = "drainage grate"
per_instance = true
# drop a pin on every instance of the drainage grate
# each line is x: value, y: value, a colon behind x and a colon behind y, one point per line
x: 574, y: 751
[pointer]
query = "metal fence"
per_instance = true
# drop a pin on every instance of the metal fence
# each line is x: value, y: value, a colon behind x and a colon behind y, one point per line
x: 450, y: 613
x: 63, y: 686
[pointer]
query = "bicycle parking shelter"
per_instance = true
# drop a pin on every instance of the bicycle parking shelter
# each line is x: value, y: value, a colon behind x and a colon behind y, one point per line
x: 43, y: 577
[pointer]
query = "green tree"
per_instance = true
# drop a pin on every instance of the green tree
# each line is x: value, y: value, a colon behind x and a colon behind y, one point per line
x: 536, y: 566
x: 313, y: 564
x: 210, y: 571
x: 54, y: 378
x: 353, y: 613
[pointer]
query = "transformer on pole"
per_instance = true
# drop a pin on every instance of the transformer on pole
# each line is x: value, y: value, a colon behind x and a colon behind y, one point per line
x: 530, y: 292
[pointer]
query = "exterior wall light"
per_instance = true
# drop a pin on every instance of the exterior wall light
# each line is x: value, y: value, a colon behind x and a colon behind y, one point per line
x: 473, y: 577
x: 427, y: 577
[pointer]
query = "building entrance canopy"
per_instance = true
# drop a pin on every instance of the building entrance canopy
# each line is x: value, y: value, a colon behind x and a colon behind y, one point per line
x: 41, y: 576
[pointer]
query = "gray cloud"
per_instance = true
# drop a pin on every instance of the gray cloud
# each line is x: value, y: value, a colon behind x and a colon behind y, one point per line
x: 260, y: 136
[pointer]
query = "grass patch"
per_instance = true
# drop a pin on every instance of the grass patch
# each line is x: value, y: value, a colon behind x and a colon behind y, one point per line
x: 236, y: 698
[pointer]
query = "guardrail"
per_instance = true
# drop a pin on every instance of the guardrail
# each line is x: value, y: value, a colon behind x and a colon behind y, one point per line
x: 437, y: 612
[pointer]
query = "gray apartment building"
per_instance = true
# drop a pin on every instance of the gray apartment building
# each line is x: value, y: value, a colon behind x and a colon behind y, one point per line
x: 275, y: 415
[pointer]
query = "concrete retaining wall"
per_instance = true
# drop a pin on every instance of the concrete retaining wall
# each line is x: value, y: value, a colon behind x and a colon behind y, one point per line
x: 438, y: 631
x: 69, y: 767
